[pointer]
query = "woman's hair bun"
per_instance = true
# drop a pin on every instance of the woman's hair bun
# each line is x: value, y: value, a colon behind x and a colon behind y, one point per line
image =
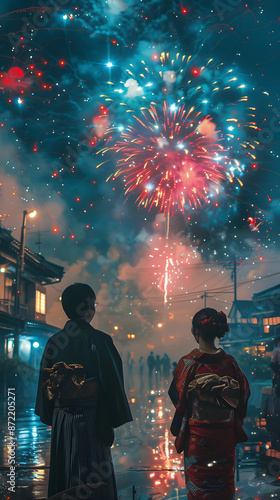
x: 210, y: 323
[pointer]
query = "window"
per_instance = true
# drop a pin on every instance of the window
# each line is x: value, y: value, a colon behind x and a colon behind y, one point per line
x: 244, y: 320
x: 271, y: 321
x: 8, y: 291
x: 255, y: 321
x: 40, y: 302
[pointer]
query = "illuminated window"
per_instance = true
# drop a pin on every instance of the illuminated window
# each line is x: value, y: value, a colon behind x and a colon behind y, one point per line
x: 10, y: 344
x: 244, y: 320
x: 255, y: 321
x: 266, y: 329
x: 265, y: 321
x: 40, y: 302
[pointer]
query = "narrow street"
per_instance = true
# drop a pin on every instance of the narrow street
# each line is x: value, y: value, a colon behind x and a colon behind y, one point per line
x: 143, y: 452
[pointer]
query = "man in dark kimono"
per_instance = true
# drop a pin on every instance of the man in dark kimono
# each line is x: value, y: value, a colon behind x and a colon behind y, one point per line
x: 81, y: 395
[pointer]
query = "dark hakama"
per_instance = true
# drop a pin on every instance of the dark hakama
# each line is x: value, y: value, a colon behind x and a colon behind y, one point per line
x: 210, y: 394
x: 78, y: 456
x: 80, y: 381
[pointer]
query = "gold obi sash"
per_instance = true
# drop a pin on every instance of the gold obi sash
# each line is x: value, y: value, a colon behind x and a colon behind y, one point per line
x: 66, y: 382
x: 214, y: 398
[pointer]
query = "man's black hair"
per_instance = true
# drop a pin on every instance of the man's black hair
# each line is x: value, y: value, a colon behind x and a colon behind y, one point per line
x: 77, y: 299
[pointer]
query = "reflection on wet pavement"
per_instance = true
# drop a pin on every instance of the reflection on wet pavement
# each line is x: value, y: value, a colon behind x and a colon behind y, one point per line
x: 143, y: 452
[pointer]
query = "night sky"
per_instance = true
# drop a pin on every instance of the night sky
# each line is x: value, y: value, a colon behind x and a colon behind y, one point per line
x: 74, y: 79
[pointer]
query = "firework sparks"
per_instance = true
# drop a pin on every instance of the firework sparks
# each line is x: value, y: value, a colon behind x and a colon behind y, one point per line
x: 169, y: 263
x: 171, y: 157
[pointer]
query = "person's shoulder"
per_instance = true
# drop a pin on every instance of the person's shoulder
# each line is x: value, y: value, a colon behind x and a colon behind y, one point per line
x: 190, y: 357
x: 53, y: 337
x: 102, y: 335
x: 70, y: 329
x: 230, y: 357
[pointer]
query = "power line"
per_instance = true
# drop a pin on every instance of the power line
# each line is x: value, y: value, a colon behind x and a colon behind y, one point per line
x: 226, y: 289
x: 210, y: 264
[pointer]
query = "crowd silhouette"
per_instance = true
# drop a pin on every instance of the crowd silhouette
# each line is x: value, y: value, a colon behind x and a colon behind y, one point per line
x: 157, y: 368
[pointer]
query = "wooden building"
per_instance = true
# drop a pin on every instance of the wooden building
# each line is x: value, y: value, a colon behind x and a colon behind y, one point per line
x: 31, y: 320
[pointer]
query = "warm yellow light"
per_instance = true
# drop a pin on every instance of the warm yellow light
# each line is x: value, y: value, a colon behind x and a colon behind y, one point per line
x: 32, y: 214
x: 133, y: 336
x: 116, y: 327
x: 160, y: 325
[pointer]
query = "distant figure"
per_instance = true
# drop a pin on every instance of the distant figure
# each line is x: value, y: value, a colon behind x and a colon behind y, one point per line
x: 141, y: 366
x: 141, y: 374
x: 174, y: 366
x: 210, y: 394
x: 131, y: 372
x: 158, y: 371
x: 158, y: 365
x: 151, y: 364
x: 166, y: 366
x: 275, y: 364
x: 81, y: 396
x: 128, y: 357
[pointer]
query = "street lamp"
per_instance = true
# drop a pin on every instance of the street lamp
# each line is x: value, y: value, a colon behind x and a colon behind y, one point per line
x: 19, y: 270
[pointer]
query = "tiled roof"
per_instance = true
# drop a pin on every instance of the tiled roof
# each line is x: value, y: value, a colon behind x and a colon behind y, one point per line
x: 247, y: 308
x: 35, y: 264
x: 269, y: 292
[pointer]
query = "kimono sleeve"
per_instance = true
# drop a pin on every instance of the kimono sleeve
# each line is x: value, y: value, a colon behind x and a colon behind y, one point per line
x: 44, y: 407
x: 183, y: 374
x: 114, y: 387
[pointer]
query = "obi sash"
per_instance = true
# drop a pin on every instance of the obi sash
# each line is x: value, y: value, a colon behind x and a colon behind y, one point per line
x: 214, y: 398
x: 67, y: 383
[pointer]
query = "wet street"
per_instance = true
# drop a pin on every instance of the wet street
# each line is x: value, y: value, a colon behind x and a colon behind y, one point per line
x: 144, y: 454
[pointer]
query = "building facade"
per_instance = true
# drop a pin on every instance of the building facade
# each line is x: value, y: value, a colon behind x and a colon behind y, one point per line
x: 253, y: 322
x: 30, y: 322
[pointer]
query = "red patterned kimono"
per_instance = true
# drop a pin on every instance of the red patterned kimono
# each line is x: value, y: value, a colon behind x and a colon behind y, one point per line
x: 210, y: 394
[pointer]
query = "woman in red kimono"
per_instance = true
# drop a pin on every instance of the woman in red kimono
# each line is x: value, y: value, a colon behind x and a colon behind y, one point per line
x: 210, y: 394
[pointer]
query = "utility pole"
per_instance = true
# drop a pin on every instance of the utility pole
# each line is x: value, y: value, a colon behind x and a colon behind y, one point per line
x: 205, y: 299
x: 39, y: 242
x: 20, y: 264
x: 234, y: 265
x: 19, y: 271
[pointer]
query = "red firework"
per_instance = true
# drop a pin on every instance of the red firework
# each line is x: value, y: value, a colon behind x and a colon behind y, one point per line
x: 171, y: 156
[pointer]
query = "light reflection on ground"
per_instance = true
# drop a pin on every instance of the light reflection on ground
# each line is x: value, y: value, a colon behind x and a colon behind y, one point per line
x: 143, y: 452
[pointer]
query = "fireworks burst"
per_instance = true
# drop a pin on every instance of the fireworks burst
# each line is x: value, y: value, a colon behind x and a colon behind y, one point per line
x: 178, y: 153
x: 172, y: 157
